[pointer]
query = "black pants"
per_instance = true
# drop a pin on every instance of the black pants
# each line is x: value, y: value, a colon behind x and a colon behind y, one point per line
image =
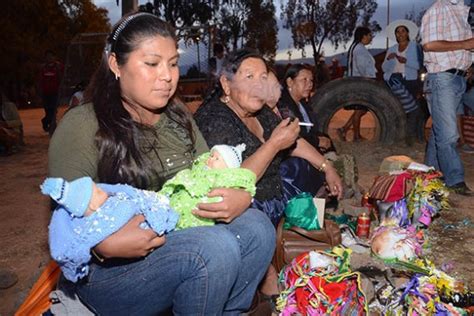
x: 50, y: 105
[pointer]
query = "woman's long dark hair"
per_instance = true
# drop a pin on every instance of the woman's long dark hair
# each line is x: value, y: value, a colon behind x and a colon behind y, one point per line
x: 121, y: 158
x: 359, y: 33
x: 230, y: 65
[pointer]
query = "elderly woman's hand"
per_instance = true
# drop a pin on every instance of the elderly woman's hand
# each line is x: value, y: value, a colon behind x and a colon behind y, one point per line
x: 234, y: 202
x: 334, y: 182
x: 285, y: 134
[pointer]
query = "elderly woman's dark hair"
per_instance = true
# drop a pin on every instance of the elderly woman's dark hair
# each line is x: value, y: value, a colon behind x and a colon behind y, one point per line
x: 294, y: 70
x: 230, y: 65
x: 120, y: 157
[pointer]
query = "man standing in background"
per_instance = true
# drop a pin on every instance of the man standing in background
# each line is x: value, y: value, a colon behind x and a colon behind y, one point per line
x: 447, y: 39
x: 49, y: 81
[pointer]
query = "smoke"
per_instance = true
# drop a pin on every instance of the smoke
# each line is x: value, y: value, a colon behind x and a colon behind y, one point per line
x: 266, y: 89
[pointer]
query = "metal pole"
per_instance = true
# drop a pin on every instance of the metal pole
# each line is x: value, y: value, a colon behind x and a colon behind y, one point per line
x: 129, y: 6
x: 388, y: 21
x: 199, y: 58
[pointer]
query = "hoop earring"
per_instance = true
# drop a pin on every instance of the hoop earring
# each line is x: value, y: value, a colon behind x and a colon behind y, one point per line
x: 117, y: 77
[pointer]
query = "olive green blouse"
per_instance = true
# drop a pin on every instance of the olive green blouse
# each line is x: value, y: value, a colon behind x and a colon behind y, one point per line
x: 74, y: 154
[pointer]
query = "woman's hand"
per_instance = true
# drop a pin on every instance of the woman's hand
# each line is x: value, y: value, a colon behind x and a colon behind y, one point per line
x: 334, y: 182
x: 130, y: 241
x: 401, y: 59
x: 285, y: 134
x: 391, y: 56
x: 324, y: 142
x: 234, y: 202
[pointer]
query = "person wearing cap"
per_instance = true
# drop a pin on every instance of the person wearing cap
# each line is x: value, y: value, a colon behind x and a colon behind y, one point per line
x: 87, y: 213
x: 220, y: 168
x: 447, y: 41
x: 400, y: 67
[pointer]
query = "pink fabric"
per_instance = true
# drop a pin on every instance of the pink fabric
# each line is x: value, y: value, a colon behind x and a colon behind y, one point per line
x: 444, y: 21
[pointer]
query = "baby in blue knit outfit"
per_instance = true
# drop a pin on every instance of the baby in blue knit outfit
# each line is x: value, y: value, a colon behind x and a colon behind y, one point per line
x: 88, y: 213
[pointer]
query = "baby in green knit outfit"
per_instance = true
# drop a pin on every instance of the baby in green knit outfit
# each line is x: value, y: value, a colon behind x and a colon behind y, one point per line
x: 220, y: 168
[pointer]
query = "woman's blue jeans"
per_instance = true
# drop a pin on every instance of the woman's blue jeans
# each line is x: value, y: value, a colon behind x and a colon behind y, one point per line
x: 211, y: 270
x: 444, y: 93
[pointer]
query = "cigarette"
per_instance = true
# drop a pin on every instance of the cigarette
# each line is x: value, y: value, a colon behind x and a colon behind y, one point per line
x: 305, y: 124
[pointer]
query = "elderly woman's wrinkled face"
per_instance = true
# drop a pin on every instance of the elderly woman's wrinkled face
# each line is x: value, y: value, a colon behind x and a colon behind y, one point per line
x: 246, y: 86
x: 301, y: 86
x: 401, y: 33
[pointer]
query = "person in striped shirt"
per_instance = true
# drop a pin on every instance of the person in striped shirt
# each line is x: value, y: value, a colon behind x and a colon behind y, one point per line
x: 447, y: 41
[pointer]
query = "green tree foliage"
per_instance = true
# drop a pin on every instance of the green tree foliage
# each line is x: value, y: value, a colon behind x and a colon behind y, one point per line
x: 186, y: 16
x: 261, y: 28
x: 231, y: 19
x: 233, y: 23
x: 314, y: 22
x: 29, y: 28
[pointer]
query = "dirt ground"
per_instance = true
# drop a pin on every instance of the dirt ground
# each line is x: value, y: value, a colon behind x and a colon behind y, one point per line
x: 24, y: 212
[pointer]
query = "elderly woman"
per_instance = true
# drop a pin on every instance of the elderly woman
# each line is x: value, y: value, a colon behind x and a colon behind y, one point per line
x: 236, y: 113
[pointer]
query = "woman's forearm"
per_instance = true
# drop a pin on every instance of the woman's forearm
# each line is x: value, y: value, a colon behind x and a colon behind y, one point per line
x: 261, y: 159
x: 306, y: 151
x: 445, y: 46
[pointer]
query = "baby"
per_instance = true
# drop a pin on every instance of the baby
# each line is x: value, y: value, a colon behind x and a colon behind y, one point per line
x: 88, y: 213
x: 217, y: 169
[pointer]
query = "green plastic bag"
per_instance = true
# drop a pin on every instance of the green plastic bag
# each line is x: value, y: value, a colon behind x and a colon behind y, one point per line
x: 301, y: 212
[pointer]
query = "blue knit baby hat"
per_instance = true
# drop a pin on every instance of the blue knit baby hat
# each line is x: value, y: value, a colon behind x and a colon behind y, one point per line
x: 75, y: 196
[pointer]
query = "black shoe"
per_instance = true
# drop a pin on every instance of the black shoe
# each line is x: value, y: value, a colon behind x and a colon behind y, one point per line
x: 461, y: 189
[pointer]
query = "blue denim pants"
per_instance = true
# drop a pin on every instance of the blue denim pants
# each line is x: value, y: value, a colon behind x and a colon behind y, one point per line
x: 211, y: 270
x: 468, y: 100
x: 444, y: 93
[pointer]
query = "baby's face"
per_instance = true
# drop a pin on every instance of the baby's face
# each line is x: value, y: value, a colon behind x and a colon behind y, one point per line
x: 215, y: 161
x: 98, y: 198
